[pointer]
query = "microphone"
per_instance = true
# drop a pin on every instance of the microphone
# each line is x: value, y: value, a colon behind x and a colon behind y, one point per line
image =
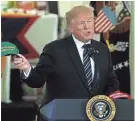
x: 92, y: 51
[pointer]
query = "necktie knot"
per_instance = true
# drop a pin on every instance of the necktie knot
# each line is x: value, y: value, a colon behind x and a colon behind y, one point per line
x: 86, y: 46
x: 88, y: 49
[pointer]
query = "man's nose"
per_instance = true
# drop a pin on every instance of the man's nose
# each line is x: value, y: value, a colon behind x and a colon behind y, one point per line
x: 86, y: 25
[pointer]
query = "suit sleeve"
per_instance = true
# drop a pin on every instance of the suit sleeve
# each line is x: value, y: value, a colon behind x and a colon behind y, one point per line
x: 112, y: 83
x: 43, y: 69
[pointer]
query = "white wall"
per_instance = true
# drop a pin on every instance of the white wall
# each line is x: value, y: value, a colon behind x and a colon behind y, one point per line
x: 65, y: 6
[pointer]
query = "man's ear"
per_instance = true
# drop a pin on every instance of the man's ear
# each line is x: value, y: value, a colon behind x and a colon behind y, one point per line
x: 70, y: 28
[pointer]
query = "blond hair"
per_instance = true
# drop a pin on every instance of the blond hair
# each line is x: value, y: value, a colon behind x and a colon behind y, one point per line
x: 72, y: 14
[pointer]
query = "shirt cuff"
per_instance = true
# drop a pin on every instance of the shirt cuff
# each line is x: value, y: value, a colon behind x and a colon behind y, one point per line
x: 26, y: 75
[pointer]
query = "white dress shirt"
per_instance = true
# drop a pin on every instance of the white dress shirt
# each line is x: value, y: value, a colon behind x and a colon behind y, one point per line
x: 80, y: 49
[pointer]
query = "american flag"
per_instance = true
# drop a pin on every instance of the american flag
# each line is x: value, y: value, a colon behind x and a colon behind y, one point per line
x: 105, y: 20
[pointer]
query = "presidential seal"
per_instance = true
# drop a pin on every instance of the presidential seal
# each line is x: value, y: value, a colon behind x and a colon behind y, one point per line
x: 100, y: 108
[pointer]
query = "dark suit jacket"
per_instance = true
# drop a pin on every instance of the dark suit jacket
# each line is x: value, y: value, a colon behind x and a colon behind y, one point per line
x: 61, y: 68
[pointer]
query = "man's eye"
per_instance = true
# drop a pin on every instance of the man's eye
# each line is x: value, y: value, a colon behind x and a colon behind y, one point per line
x: 81, y: 23
x: 89, y: 21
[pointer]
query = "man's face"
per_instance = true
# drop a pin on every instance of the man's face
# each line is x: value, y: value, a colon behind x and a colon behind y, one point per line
x: 82, y: 27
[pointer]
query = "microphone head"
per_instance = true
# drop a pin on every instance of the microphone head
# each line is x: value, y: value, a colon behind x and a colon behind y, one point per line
x: 90, y: 49
x: 93, y: 51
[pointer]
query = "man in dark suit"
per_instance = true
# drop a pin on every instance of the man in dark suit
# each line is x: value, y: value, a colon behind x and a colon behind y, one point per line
x: 73, y: 67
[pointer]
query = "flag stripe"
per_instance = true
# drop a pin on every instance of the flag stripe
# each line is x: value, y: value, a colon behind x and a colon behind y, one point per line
x: 112, y: 27
x: 105, y: 26
x: 102, y: 24
x: 100, y: 12
x: 108, y: 28
x: 99, y: 22
x: 100, y: 16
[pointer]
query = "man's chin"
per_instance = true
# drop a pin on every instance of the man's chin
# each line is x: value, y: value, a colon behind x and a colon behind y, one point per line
x: 87, y: 38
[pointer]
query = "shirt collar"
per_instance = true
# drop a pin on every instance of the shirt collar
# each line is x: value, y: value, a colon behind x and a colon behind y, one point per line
x: 79, y: 43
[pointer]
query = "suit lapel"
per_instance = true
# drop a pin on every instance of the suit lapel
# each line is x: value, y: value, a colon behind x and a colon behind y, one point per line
x: 96, y: 59
x: 74, y: 55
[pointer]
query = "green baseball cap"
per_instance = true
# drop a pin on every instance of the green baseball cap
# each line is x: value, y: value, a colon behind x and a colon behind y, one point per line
x: 8, y: 48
